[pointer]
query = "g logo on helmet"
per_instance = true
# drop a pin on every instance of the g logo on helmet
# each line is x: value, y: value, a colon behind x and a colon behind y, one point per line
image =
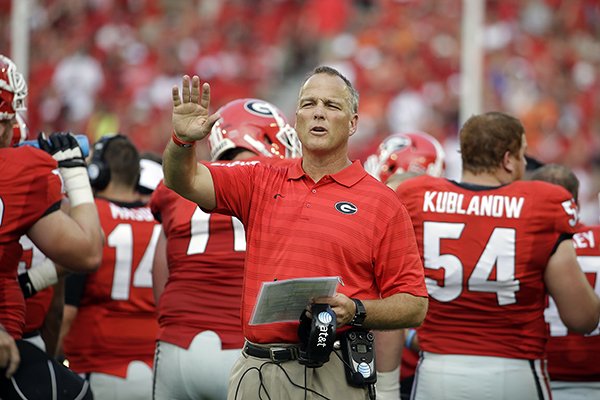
x: 345, y: 207
x: 397, y: 143
x: 259, y: 108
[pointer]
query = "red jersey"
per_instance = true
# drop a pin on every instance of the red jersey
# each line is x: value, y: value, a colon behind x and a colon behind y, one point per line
x: 485, y: 250
x: 30, y: 188
x: 347, y: 225
x: 116, y: 320
x: 36, y: 306
x: 573, y: 356
x: 205, y: 254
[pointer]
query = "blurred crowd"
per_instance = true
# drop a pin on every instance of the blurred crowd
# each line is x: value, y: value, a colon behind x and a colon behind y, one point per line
x: 99, y: 66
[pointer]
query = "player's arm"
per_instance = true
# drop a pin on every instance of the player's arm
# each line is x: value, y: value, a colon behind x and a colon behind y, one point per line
x: 72, y: 239
x: 160, y: 268
x: 577, y: 303
x: 43, y: 274
x: 40, y: 276
x: 191, y: 122
x: 69, y: 315
x: 50, y: 330
x: 74, y: 292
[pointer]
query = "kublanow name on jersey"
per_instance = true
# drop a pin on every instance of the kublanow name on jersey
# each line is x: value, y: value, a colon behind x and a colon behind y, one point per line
x: 488, y: 205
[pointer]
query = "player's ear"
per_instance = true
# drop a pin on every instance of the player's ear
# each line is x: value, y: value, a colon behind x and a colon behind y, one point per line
x: 508, y: 162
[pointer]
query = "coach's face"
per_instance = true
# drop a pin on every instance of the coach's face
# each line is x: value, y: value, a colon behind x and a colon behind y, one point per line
x: 324, y: 119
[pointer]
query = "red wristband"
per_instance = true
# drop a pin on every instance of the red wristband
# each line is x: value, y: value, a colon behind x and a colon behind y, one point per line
x: 180, y: 142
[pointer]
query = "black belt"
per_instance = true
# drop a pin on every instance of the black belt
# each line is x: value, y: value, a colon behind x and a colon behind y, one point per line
x: 275, y: 354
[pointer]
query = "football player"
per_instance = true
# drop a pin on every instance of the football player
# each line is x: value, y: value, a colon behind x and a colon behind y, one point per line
x: 39, y: 280
x: 572, y: 365
x: 31, y: 186
x: 492, y: 246
x: 412, y: 153
x: 399, y: 157
x: 109, y: 324
x: 201, y: 259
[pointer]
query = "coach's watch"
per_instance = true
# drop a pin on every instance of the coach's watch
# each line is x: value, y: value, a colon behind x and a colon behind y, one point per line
x: 360, y: 315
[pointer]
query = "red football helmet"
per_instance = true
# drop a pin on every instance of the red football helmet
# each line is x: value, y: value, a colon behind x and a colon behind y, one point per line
x: 406, y: 152
x: 254, y: 125
x: 13, y: 89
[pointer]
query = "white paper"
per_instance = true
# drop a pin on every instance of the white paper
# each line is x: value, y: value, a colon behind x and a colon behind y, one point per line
x: 282, y: 301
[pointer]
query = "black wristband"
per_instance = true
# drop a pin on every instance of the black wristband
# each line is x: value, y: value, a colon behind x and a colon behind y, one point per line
x: 359, y: 315
x: 26, y: 285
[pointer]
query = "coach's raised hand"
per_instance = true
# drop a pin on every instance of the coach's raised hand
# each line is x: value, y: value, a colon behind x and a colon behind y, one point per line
x: 191, y: 120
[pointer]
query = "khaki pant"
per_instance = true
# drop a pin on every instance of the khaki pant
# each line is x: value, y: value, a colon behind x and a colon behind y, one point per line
x: 253, y: 378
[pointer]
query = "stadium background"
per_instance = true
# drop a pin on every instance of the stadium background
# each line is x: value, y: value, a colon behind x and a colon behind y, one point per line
x: 101, y: 66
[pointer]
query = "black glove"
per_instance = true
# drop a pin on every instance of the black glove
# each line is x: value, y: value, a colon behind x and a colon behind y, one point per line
x: 64, y: 148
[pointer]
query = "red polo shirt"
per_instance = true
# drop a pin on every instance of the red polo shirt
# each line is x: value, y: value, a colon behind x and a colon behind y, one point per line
x: 347, y: 225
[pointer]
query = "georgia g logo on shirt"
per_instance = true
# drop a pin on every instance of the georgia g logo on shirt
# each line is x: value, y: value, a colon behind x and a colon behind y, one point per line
x: 345, y: 207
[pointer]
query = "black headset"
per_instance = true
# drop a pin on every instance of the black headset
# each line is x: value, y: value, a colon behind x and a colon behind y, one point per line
x: 98, y: 170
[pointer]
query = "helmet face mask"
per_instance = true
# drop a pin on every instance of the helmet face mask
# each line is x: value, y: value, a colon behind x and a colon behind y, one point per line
x: 20, y: 130
x: 413, y: 152
x: 254, y: 125
x: 13, y: 89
